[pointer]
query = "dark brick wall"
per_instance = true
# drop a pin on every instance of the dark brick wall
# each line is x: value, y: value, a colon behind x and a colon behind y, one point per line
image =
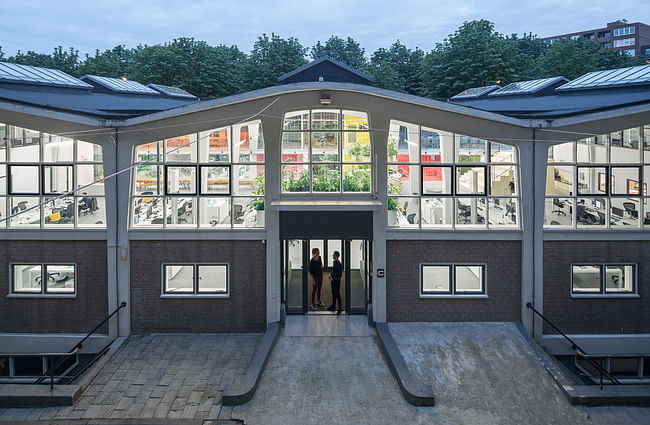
x: 55, y: 315
x: 503, y: 271
x: 595, y: 315
x: 243, y: 311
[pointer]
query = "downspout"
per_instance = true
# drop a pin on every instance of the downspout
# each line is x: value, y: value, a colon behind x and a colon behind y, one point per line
x: 534, y: 224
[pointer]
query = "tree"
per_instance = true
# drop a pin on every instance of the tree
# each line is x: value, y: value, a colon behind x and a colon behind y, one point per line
x: 347, y: 51
x: 272, y: 57
x: 610, y: 59
x: 110, y: 63
x: 568, y: 58
x: 397, y: 68
x: 2, y: 54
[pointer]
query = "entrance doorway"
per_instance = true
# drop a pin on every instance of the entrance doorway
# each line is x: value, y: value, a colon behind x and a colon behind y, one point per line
x: 356, y: 286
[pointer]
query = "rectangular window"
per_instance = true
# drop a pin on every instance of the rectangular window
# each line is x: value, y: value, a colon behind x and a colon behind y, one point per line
x: 452, y: 279
x: 215, y: 180
x: 608, y: 279
x: 623, y: 31
x: 24, y: 180
x: 181, y: 180
x: 43, y: 279
x: 57, y: 179
x: 603, y: 34
x: 624, y: 42
x: 195, y: 279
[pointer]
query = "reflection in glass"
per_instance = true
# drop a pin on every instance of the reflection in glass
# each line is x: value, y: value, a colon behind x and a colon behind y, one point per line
x: 181, y: 149
x: 591, y: 181
x: 591, y: 212
x: 27, y: 278
x: 404, y: 212
x: 325, y: 147
x: 586, y: 279
x: 403, y: 180
x: 297, y: 120
x: 88, y: 173
x: 355, y: 120
x: 324, y: 119
x: 148, y: 180
x: 558, y: 212
x: 24, y: 145
x: 619, y: 279
x: 356, y: 178
x: 356, y: 147
x: 215, y: 212
x: 213, y: 278
x: 248, y: 143
x: 403, y: 142
x: 436, y: 145
x: 436, y: 279
x: 3, y: 211
x: 468, y: 279
x: 89, y: 152
x: 180, y: 211
x: 470, y: 211
x: 625, y: 181
x: 295, y: 147
x: 60, y: 278
x: 502, y: 180
x: 502, y: 153
x: 295, y: 178
x: 248, y: 212
x: 151, y: 152
x: 502, y: 212
x: 470, y: 180
x: 437, y: 212
x: 57, y: 148
x: 148, y: 212
x: 214, y: 145
x: 624, y: 212
x: 3, y: 180
x: 57, y: 179
x: 593, y: 149
x: 91, y: 211
x: 248, y: 179
x: 559, y: 180
x: 561, y: 153
x: 436, y: 180
x: 215, y: 180
x: 181, y: 180
x: 470, y: 149
x: 179, y: 279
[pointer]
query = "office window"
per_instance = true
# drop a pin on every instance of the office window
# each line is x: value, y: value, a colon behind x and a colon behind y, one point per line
x: 603, y: 34
x: 606, y: 45
x: 195, y: 279
x: 621, y: 42
x: 326, y: 151
x: 604, y: 279
x: 37, y: 167
x: 43, y: 279
x: 589, y: 36
x: 629, y: 52
x: 623, y: 31
x: 213, y: 179
x: 453, y: 279
x: 599, y: 182
x: 438, y: 179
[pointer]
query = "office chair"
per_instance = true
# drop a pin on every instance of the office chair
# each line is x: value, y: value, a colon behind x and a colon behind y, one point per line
x: 629, y: 207
x: 411, y: 218
x: 558, y: 205
x: 555, y: 223
x: 238, y: 214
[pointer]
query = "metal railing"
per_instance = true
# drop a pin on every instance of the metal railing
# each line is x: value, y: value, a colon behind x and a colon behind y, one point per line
x: 595, y: 360
x: 63, y: 357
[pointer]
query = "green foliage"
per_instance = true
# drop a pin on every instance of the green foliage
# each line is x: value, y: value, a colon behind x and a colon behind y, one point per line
x: 569, y: 58
x: 393, y: 204
x: 392, y: 150
x: 272, y: 57
x: 347, y: 51
x: 357, y: 179
x: 360, y: 152
x: 290, y: 183
x: 258, y: 189
x: 397, y: 68
x: 326, y: 179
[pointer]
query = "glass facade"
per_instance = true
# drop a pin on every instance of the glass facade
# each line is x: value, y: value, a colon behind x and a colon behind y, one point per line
x: 36, y: 167
x: 438, y: 179
x: 600, y: 182
x: 213, y: 180
x: 326, y: 151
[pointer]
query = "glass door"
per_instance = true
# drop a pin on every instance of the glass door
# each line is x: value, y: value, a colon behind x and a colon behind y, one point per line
x: 293, y: 270
x: 357, y: 275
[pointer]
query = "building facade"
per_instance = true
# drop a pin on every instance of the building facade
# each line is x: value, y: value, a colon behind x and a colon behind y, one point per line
x: 202, y: 216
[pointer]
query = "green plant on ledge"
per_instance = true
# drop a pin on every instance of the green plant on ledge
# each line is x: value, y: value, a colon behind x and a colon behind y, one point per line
x: 295, y: 184
x: 326, y: 179
x: 393, y: 204
x: 258, y: 189
x: 357, y: 179
x: 360, y: 152
x: 392, y: 150
x: 394, y: 188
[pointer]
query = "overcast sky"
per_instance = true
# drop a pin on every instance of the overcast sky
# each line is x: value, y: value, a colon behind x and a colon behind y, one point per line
x: 40, y: 25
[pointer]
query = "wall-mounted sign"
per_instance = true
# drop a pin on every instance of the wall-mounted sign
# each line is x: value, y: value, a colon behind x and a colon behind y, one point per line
x: 381, y: 273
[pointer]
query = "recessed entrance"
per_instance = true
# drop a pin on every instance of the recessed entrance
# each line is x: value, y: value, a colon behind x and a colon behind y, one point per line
x: 297, y: 284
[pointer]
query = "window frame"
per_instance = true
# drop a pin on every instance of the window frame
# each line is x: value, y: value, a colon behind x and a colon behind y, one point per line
x: 13, y: 293
x: 195, y: 293
x: 453, y: 292
x: 602, y: 293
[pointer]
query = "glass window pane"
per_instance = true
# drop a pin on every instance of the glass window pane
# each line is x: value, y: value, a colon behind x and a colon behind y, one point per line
x: 592, y: 181
x: 248, y: 179
x: 436, y: 279
x: 27, y: 278
x: 437, y: 212
x: 470, y: 149
x: 215, y: 212
x: 502, y: 153
x: 593, y: 150
x: 92, y: 211
x: 624, y: 147
x: 215, y: 180
x: 559, y: 180
x: 3, y: 142
x: 89, y: 173
x: 403, y: 142
x: 502, y: 212
x: 3, y: 179
x: 297, y: 120
x: 356, y: 146
x: 436, y: 145
x: 26, y: 217
x: 248, y: 212
x: 561, y: 153
x: 57, y: 148
x: 24, y: 179
x: 295, y: 147
x: 59, y: 212
x: 646, y: 146
x: 180, y: 212
x: 325, y: 147
x: 619, y: 279
x: 586, y: 279
x: 295, y: 178
x: 502, y: 180
x: 148, y: 212
x: 150, y: 152
x: 24, y: 145
x: 356, y: 178
x: 403, y: 180
x: 181, y: 149
x: 558, y: 212
x: 215, y: 145
x: 625, y: 181
x: 213, y: 279
x: 591, y: 212
x: 3, y: 212
x: 355, y: 120
x: 57, y: 179
x: 326, y: 178
x: 326, y: 119
x: 436, y: 180
x: 470, y: 180
x: 624, y: 211
x: 179, y: 279
x: 60, y: 278
x: 181, y: 180
x: 404, y: 212
x: 248, y: 143
x: 148, y: 179
x: 470, y: 211
x: 468, y: 279
x: 89, y: 152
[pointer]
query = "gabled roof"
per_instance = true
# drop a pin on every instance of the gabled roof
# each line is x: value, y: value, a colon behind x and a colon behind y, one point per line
x: 324, y: 67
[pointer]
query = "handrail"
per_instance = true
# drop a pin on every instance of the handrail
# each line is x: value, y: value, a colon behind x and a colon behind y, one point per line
x: 580, y: 352
x: 75, y: 350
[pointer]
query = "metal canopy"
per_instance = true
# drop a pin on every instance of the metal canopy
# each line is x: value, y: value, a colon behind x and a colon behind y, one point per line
x: 15, y: 73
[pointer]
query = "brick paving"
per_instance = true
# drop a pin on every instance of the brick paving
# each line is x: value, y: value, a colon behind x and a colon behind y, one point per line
x: 158, y: 376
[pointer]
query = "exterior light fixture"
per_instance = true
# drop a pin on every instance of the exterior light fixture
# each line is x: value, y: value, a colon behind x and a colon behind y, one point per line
x: 124, y: 78
x: 325, y: 99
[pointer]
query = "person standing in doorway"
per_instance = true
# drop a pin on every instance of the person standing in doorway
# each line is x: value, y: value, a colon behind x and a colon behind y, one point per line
x: 316, y: 272
x: 335, y: 278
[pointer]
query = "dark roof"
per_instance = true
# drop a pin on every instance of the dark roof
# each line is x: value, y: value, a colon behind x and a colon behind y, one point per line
x: 117, y: 85
x: 326, y: 69
x: 171, y: 91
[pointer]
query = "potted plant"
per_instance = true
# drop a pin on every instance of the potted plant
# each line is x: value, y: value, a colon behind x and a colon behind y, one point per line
x: 394, y: 188
x: 257, y: 204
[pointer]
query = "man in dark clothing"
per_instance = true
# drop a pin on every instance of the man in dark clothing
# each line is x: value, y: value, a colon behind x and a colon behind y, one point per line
x: 335, y: 278
x: 316, y: 272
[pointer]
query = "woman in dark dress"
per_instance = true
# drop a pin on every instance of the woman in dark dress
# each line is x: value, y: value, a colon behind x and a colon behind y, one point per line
x: 335, y: 278
x: 316, y: 272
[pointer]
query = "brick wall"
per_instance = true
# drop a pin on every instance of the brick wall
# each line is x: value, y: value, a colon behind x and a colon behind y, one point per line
x: 595, y: 315
x: 243, y: 311
x: 503, y: 271
x: 49, y: 314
